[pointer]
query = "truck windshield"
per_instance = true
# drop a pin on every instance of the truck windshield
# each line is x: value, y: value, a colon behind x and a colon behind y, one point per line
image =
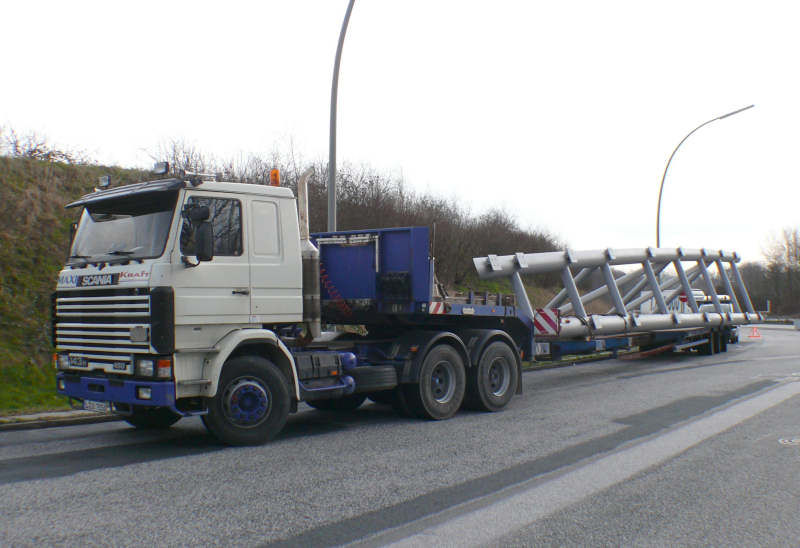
x: 124, y: 228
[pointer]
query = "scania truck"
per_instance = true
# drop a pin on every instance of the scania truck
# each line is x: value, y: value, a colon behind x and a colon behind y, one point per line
x: 184, y: 296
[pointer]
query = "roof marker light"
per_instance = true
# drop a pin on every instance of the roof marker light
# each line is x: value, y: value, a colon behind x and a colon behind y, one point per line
x: 274, y: 177
x: 161, y: 168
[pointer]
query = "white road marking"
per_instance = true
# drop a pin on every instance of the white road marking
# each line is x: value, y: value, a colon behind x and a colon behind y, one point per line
x: 772, y: 358
x: 481, y: 526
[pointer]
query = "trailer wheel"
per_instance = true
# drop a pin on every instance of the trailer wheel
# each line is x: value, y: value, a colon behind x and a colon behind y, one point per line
x: 251, y: 404
x: 152, y: 417
x: 492, y: 382
x: 441, y: 387
x: 346, y: 403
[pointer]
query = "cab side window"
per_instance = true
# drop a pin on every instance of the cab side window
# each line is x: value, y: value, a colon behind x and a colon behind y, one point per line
x: 226, y: 220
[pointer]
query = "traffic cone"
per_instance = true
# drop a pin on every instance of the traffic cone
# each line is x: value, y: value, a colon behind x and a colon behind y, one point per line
x: 755, y: 333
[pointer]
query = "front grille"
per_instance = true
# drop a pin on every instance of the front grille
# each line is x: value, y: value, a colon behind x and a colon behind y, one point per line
x: 96, y: 324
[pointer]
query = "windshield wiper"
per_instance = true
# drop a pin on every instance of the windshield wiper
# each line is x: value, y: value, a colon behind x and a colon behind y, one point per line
x: 78, y: 257
x: 125, y: 252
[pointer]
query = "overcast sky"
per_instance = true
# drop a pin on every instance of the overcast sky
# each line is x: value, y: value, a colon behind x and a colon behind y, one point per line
x: 563, y: 113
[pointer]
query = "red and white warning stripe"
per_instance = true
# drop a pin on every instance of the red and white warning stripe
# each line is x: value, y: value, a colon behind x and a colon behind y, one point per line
x: 436, y: 307
x: 546, y: 321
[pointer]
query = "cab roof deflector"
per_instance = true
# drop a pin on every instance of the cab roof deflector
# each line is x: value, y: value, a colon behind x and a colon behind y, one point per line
x: 164, y: 185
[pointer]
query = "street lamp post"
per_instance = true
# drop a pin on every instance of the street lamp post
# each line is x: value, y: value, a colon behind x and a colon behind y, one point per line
x: 663, y: 177
x: 332, y: 141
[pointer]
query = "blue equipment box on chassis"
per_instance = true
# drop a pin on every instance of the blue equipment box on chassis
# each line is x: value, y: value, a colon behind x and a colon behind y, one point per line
x: 375, y: 271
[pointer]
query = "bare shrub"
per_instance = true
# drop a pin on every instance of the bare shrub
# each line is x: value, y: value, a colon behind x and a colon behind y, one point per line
x: 36, y: 147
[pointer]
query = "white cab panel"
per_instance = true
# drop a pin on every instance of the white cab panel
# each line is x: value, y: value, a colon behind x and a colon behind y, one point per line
x: 275, y: 269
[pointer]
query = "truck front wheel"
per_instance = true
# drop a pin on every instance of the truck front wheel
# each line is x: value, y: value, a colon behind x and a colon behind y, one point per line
x: 252, y: 402
x: 442, y: 382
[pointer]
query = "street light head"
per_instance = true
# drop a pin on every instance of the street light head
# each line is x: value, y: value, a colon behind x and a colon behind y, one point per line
x: 735, y: 112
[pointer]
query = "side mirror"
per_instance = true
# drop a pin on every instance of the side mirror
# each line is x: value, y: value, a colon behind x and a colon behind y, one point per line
x: 204, y: 240
x: 198, y: 214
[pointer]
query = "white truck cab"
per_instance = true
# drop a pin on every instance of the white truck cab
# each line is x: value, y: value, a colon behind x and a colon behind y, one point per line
x: 151, y: 320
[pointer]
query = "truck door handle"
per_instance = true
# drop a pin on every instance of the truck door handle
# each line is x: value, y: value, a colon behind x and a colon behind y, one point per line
x: 240, y: 292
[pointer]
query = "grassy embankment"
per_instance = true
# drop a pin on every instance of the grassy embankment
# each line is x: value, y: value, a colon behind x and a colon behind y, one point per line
x: 34, y: 234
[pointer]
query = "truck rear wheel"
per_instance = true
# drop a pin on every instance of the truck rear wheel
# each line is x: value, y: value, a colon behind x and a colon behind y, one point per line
x: 252, y: 402
x: 152, y: 417
x: 442, y: 382
x: 492, y: 382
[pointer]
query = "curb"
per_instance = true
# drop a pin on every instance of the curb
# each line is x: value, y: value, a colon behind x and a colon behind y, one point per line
x: 54, y: 419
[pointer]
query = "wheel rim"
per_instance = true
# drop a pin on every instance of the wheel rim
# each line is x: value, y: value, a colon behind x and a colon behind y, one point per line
x: 499, y: 377
x: 246, y: 402
x: 443, y: 385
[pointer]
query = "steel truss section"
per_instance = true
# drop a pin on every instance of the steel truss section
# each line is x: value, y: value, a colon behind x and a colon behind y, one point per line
x: 645, y: 284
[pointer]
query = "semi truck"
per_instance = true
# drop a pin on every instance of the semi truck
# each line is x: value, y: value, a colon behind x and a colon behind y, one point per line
x: 185, y: 296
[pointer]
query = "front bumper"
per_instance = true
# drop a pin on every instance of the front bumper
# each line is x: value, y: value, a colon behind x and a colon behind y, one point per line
x: 162, y: 393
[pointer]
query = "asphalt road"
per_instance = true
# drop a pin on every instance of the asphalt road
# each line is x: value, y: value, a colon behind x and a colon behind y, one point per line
x: 672, y: 450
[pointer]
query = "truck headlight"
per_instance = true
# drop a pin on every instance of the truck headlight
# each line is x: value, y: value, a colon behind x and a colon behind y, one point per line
x: 144, y: 368
x: 63, y: 361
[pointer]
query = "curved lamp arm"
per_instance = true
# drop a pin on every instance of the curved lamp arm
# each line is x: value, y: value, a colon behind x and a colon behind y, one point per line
x: 663, y: 177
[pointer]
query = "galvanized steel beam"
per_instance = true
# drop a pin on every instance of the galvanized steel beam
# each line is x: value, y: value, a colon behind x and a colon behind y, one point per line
x: 625, y: 315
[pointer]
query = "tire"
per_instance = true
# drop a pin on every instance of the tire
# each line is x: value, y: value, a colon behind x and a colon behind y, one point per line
x: 374, y: 378
x: 252, y: 402
x: 492, y: 382
x: 346, y: 403
x: 441, y: 387
x: 144, y: 417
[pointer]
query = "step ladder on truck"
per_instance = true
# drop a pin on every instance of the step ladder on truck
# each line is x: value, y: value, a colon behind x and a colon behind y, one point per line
x: 184, y: 296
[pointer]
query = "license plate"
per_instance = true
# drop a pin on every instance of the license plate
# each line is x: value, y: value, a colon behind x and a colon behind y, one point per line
x: 97, y: 406
x: 77, y: 361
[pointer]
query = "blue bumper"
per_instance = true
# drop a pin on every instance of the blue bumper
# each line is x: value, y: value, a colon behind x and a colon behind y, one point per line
x: 162, y: 393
